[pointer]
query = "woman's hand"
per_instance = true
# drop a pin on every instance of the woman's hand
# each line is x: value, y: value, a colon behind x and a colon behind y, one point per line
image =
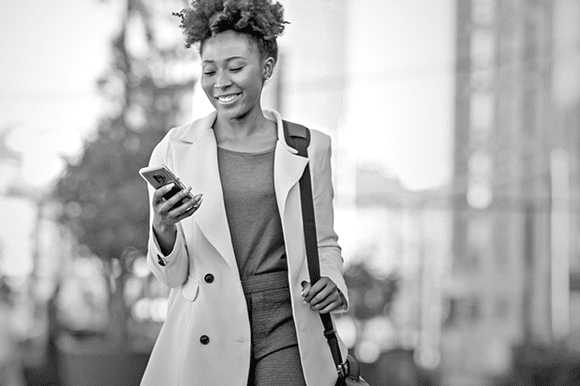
x: 324, y: 296
x: 166, y: 214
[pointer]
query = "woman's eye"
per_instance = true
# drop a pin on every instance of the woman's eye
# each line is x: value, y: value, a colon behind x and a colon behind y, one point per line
x: 236, y: 69
x: 208, y: 72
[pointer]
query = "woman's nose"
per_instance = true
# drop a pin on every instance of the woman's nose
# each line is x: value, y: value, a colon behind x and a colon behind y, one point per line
x: 222, y: 81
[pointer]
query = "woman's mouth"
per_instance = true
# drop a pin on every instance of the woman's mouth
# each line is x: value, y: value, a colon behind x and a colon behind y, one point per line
x: 228, y: 99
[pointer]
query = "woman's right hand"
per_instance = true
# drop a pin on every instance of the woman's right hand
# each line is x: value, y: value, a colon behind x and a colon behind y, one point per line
x: 166, y: 213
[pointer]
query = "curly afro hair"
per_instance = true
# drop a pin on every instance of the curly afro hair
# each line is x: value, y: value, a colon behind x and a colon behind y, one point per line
x: 262, y: 20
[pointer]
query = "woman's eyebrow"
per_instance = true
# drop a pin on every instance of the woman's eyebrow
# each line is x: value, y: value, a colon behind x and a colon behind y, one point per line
x: 225, y: 60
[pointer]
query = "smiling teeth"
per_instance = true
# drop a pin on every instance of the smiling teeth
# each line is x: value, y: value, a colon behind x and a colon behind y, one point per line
x: 228, y: 98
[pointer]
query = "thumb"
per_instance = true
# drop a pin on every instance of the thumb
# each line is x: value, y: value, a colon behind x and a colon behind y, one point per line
x: 305, y: 288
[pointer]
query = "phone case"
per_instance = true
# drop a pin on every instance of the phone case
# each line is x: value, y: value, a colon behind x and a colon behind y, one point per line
x: 158, y: 176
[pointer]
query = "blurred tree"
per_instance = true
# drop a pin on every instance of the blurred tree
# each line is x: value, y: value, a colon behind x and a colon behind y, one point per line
x: 370, y: 295
x: 148, y: 90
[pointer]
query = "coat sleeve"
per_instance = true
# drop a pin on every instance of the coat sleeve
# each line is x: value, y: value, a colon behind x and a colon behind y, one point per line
x: 171, y: 270
x: 331, y: 261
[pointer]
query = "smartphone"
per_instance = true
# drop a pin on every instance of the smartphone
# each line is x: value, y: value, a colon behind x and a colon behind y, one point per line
x: 158, y: 176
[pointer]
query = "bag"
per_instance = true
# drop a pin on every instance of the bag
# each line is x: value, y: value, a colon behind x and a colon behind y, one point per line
x: 298, y: 137
x: 352, y: 374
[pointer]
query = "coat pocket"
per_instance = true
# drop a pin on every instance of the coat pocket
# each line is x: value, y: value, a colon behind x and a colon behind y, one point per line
x: 190, y: 289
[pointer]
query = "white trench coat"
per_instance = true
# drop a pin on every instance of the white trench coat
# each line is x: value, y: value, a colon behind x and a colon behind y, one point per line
x: 205, y: 339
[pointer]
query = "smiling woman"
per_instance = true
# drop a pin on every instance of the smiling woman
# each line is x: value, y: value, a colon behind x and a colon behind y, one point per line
x: 233, y: 74
x: 241, y: 309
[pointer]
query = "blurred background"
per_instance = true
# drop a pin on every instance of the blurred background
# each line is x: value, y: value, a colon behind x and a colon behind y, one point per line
x: 456, y: 137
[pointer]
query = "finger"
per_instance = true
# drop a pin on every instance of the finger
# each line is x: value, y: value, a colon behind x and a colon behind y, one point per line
x: 159, y: 193
x: 183, y: 215
x: 305, y: 289
x: 198, y: 198
x: 195, y: 203
x: 181, y: 195
x: 333, y: 306
x: 185, y: 208
x: 331, y: 303
x: 188, y: 202
x: 321, y: 304
x: 188, y: 208
x: 163, y: 209
x: 322, y: 298
x: 323, y: 286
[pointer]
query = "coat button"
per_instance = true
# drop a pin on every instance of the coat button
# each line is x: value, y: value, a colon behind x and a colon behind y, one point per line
x: 204, y: 339
x: 209, y: 278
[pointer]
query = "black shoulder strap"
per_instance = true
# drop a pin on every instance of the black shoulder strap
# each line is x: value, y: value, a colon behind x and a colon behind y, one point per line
x: 298, y: 137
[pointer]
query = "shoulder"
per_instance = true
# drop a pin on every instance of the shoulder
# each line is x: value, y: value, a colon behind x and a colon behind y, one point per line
x: 318, y: 139
x: 319, y: 150
x: 320, y: 142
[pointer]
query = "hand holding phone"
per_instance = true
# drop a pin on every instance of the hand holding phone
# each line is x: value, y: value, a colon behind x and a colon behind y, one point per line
x: 159, y: 176
x: 167, y: 215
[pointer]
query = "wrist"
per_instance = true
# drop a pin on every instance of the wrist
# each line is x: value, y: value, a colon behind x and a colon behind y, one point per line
x: 165, y: 236
x: 165, y: 230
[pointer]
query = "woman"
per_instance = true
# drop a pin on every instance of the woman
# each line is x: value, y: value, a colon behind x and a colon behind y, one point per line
x: 241, y: 310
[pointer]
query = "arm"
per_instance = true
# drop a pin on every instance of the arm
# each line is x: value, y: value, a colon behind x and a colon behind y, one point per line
x: 167, y: 255
x: 330, y: 293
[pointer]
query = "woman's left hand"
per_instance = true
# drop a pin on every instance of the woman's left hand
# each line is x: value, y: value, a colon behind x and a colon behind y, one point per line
x: 324, y: 296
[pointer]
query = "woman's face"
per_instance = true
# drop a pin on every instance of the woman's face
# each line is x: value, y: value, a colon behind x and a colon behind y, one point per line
x: 233, y: 74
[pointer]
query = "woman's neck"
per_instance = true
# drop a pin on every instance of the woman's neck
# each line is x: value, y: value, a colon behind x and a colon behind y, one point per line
x: 253, y: 133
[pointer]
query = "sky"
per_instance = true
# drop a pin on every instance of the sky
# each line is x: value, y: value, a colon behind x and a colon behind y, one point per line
x: 52, y: 51
x: 401, y: 96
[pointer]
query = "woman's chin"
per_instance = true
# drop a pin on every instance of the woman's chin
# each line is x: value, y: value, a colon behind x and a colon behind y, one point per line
x: 234, y: 113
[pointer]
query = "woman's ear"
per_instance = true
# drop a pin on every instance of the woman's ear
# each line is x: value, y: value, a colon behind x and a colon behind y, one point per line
x: 269, y: 65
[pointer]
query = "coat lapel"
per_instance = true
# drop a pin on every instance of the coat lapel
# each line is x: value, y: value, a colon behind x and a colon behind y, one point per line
x: 288, y: 169
x: 196, y: 155
x: 288, y: 165
x: 196, y: 163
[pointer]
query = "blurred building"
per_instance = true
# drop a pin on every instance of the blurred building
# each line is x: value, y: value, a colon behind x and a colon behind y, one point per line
x: 407, y: 234
x: 516, y: 183
x: 20, y: 234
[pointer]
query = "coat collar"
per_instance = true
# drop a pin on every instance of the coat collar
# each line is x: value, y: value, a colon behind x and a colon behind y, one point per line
x: 190, y: 133
x: 196, y: 157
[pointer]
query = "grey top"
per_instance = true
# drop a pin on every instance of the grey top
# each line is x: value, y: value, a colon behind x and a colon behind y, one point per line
x: 252, y: 212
